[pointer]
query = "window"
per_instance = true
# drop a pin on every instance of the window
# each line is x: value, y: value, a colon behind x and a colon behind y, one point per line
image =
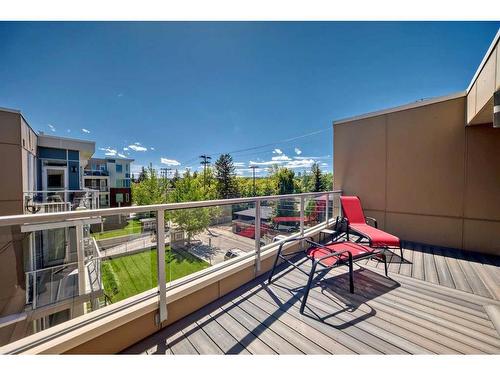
x: 119, y: 197
x: 127, y: 197
x: 119, y: 168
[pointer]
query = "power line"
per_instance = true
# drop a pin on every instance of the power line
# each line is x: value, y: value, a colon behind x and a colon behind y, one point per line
x: 287, y: 140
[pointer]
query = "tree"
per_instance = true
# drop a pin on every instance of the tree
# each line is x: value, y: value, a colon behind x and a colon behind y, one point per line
x: 191, y: 220
x: 284, y: 181
x: 316, y: 182
x: 151, y: 190
x: 225, y: 177
x: 142, y: 175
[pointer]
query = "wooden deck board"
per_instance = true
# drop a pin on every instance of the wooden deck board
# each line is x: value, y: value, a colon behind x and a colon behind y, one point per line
x: 434, y: 302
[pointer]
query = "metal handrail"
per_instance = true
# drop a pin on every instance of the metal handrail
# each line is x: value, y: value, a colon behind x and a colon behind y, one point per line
x: 61, y: 216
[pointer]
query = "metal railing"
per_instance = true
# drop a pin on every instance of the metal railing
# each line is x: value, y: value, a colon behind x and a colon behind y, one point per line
x: 51, y: 201
x: 300, y: 209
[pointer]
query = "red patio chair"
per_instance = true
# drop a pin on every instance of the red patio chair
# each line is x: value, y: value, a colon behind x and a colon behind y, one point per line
x: 326, y: 257
x: 358, y: 223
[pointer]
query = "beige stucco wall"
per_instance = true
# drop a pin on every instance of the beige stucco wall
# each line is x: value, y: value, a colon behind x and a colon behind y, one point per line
x: 424, y: 175
x: 17, y: 140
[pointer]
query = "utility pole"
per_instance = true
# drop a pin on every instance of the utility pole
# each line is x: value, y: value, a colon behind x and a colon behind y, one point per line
x: 205, y: 161
x: 253, y: 170
x: 165, y: 172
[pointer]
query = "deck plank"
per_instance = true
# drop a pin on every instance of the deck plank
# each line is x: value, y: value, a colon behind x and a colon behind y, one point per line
x: 433, y: 303
x: 430, y: 271
x: 225, y: 341
x: 444, y: 274
x: 243, y: 336
x: 421, y: 327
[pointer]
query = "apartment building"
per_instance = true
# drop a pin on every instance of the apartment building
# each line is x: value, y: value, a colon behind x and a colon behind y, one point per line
x: 44, y: 269
x: 111, y: 177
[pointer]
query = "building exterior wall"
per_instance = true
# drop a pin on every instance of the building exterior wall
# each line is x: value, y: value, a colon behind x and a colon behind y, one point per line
x: 18, y: 143
x: 424, y: 175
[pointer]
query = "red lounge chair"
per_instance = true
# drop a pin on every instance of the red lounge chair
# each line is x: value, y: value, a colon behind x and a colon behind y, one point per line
x: 357, y: 223
x: 329, y: 256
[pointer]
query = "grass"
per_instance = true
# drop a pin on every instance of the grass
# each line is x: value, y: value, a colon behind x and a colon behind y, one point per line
x: 133, y: 227
x: 129, y: 275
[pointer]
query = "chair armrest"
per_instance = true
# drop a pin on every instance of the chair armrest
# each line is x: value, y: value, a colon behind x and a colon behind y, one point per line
x: 307, y: 239
x: 368, y: 218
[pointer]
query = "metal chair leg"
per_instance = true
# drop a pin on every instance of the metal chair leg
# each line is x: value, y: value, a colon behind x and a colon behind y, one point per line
x: 401, y: 251
x: 308, y: 287
x: 269, y: 280
x: 384, y: 258
x: 351, y: 276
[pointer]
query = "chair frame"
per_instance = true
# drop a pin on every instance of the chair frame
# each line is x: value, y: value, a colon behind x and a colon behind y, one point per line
x: 343, y: 218
x: 318, y: 262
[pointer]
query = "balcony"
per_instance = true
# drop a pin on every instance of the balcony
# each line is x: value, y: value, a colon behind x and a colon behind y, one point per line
x: 191, y: 298
x: 49, y: 201
x: 98, y: 173
x: 439, y: 301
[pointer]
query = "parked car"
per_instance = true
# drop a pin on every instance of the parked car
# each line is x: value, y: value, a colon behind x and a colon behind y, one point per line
x: 233, y: 253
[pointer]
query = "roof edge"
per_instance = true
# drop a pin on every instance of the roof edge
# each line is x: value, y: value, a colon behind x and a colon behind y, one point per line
x: 417, y: 104
x: 65, y: 138
x: 485, y: 59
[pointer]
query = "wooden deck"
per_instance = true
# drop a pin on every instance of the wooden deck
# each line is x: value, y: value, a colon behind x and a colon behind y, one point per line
x: 437, y: 301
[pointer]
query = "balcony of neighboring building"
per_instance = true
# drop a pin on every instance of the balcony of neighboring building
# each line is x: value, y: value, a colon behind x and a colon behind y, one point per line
x: 50, y: 201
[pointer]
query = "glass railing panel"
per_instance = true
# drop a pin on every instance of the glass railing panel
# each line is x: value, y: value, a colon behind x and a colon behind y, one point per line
x: 314, y: 210
x: 198, y: 238
x: 126, y: 248
x: 280, y: 218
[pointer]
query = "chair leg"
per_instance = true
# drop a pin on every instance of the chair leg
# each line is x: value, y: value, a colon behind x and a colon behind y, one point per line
x: 384, y: 258
x: 351, y: 277
x: 269, y: 280
x: 401, y: 251
x: 308, y: 287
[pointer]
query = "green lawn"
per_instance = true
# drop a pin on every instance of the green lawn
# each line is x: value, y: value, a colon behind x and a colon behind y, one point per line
x: 132, y: 274
x: 133, y: 227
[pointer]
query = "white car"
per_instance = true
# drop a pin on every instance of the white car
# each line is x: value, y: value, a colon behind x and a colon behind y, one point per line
x: 233, y: 253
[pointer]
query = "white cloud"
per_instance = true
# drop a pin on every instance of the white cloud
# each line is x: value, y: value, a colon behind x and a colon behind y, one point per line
x: 137, y: 143
x: 277, y: 151
x: 249, y: 171
x: 137, y: 147
x: 120, y: 95
x: 51, y: 127
x: 125, y: 149
x: 121, y: 155
x: 108, y: 151
x: 85, y: 130
x: 152, y: 148
x: 170, y: 162
x: 239, y: 164
x: 298, y: 151
x: 303, y: 163
x: 311, y: 157
x: 271, y: 162
x: 282, y: 157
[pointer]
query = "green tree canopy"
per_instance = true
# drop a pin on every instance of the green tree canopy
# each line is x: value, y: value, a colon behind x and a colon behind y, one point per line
x: 151, y: 190
x: 316, y: 182
x: 225, y: 177
x: 192, y: 220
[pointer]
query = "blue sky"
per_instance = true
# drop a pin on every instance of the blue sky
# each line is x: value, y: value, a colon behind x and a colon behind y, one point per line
x: 166, y: 92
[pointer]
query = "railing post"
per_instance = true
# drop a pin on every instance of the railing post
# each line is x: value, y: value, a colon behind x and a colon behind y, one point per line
x: 327, y: 208
x: 302, y: 202
x: 257, y: 236
x: 160, y: 257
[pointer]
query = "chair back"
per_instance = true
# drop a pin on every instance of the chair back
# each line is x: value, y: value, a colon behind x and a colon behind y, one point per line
x: 351, y: 206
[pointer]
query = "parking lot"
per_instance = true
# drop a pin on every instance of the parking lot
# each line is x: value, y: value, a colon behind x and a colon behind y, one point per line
x: 216, y: 241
